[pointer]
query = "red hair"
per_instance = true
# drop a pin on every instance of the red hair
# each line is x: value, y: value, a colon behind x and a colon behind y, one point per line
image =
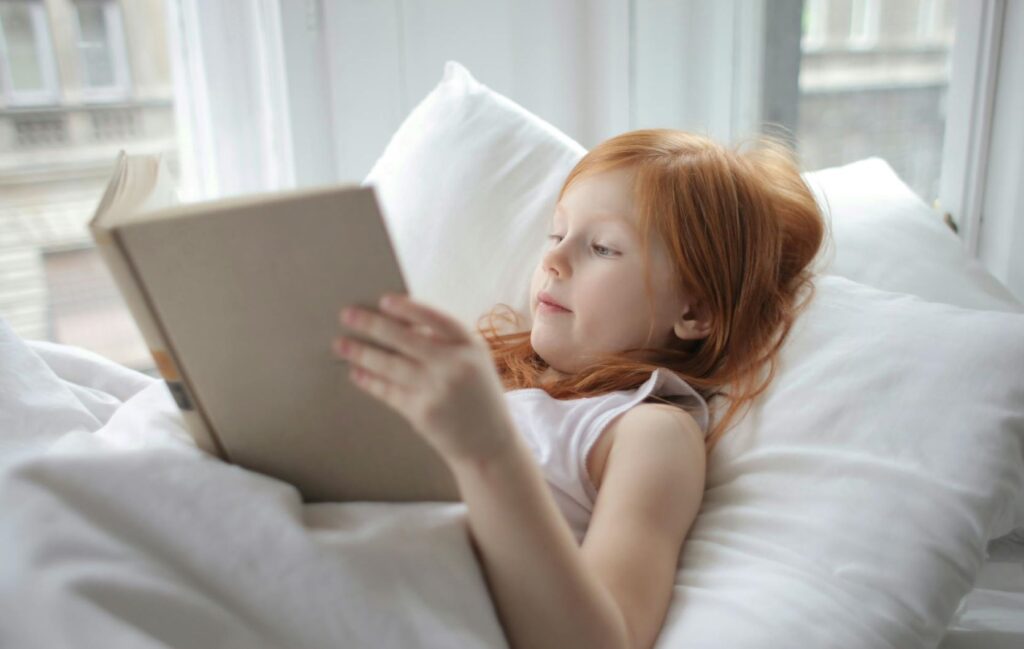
x: 741, y: 228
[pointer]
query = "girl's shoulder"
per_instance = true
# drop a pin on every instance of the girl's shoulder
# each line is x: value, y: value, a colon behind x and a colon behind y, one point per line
x: 597, y: 458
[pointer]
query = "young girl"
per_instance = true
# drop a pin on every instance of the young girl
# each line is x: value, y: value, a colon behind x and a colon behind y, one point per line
x: 579, y: 444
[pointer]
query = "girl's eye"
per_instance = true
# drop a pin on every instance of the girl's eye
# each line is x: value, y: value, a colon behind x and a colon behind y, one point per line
x: 601, y: 250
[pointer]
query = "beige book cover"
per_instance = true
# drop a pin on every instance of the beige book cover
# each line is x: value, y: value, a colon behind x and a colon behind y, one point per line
x: 238, y: 300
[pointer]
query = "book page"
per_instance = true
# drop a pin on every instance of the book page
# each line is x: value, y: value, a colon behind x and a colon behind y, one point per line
x: 139, y: 184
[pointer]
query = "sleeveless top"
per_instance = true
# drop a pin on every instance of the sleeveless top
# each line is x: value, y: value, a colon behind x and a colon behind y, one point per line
x: 561, y: 433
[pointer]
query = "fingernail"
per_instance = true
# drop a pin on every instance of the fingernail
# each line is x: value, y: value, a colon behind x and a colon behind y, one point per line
x: 388, y: 301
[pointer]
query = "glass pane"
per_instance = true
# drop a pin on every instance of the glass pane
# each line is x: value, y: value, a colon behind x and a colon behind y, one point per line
x: 94, y: 44
x: 25, y: 70
x: 873, y: 81
x: 85, y: 311
x: 53, y: 284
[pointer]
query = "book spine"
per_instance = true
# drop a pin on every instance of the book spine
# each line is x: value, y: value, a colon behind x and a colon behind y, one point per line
x: 121, y: 270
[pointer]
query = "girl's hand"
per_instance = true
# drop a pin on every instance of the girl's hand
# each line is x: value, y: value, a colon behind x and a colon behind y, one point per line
x: 433, y: 372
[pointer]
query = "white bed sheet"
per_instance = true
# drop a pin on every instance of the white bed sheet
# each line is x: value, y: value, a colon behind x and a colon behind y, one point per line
x: 116, y: 531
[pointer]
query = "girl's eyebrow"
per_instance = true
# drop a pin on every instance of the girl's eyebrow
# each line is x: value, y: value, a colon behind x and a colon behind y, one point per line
x: 602, y: 217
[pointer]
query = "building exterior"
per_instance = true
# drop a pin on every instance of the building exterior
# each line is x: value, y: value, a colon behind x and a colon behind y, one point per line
x: 79, y: 80
x: 873, y: 80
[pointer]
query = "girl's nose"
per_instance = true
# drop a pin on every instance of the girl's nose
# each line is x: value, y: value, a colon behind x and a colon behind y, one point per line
x: 555, y: 261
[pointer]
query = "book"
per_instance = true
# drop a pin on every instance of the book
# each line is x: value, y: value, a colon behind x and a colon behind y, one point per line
x: 238, y: 301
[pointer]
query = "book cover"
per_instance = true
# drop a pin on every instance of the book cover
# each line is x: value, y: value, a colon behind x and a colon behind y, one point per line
x: 239, y: 299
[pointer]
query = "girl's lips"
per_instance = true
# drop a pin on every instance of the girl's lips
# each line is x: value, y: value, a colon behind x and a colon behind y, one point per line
x: 544, y: 307
x: 545, y: 298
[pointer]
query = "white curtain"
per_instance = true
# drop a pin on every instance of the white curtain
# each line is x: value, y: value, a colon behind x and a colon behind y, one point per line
x: 231, y: 99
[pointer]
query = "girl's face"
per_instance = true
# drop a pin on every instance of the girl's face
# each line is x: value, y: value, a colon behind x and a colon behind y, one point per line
x: 592, y: 265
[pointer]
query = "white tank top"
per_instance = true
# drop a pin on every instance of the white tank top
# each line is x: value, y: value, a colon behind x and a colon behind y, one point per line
x: 561, y: 433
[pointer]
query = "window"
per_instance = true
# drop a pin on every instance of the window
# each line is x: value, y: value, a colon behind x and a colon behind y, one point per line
x: 84, y: 309
x: 873, y: 81
x: 101, y: 50
x: 27, y: 69
x: 55, y: 160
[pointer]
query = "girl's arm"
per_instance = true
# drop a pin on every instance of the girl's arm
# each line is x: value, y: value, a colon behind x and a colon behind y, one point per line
x: 616, y: 589
x: 544, y: 593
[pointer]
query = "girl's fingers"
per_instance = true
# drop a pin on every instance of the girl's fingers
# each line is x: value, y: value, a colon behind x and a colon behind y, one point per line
x: 391, y: 367
x: 379, y: 387
x: 389, y: 332
x: 404, y: 307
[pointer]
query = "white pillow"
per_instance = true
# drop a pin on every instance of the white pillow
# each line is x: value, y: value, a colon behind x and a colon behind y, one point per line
x: 883, y: 235
x: 468, y: 184
x: 887, y: 237
x: 852, y: 506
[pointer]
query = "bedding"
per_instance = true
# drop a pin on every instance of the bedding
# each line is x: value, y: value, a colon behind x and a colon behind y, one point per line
x: 120, y: 532
x: 883, y: 235
x: 116, y: 531
x: 861, y: 490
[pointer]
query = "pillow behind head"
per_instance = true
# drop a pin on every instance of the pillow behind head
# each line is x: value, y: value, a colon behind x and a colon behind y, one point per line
x: 852, y: 505
x: 468, y: 186
x: 886, y: 237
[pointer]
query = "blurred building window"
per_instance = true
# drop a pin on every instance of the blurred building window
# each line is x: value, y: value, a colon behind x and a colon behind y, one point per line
x: 873, y: 82
x: 101, y: 48
x: 27, y: 70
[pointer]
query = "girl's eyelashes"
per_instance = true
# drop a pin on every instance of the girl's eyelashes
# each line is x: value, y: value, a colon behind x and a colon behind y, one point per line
x: 601, y: 250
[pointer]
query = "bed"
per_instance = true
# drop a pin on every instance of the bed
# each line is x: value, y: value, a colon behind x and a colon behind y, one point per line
x: 128, y: 547
x: 117, y: 531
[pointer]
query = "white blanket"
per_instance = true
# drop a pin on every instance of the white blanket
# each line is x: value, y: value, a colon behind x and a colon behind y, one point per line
x: 115, y: 531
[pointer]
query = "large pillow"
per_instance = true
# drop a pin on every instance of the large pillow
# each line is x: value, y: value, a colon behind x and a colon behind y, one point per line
x: 851, y: 507
x: 887, y: 237
x: 883, y: 235
x: 468, y: 184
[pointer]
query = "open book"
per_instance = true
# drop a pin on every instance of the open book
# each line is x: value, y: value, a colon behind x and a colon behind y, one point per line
x: 238, y: 301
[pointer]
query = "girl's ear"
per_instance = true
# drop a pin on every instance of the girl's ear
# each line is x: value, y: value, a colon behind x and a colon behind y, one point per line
x: 694, y: 324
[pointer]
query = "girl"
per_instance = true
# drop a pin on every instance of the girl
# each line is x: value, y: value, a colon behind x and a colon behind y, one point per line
x: 579, y: 444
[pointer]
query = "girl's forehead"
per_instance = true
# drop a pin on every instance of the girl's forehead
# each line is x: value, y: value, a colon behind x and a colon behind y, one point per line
x: 608, y: 184
x: 604, y: 195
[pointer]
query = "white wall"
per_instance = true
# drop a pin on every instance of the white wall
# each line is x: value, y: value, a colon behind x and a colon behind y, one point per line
x: 384, y: 57
x: 593, y: 68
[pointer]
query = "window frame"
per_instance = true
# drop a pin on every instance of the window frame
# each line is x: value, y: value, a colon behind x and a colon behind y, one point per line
x: 864, y: 27
x: 49, y: 94
x: 971, y: 101
x: 114, y: 25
